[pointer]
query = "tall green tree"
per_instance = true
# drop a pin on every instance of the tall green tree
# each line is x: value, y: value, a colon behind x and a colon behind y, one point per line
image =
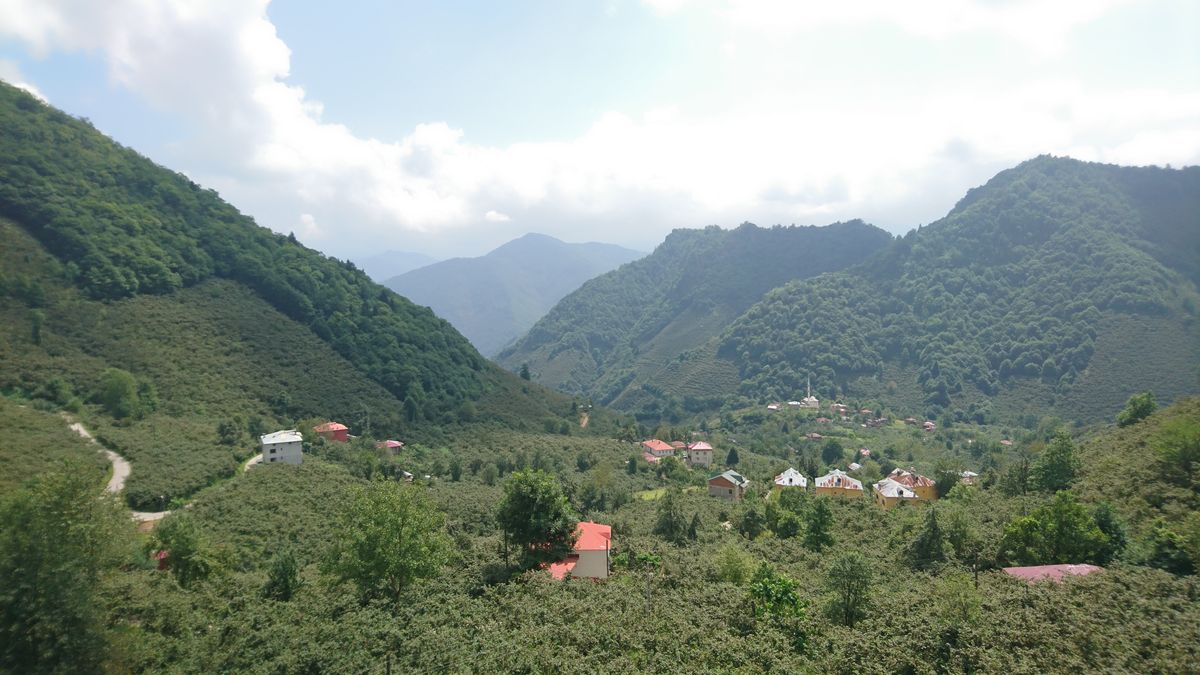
x: 671, y: 523
x: 118, y: 393
x: 1139, y: 407
x: 1178, y: 447
x: 818, y: 525
x: 929, y: 547
x: 190, y: 555
x: 849, y: 585
x: 390, y: 536
x: 283, y: 576
x: 536, y: 517
x: 1056, y: 467
x: 731, y: 458
x: 1061, y: 532
x: 59, y: 539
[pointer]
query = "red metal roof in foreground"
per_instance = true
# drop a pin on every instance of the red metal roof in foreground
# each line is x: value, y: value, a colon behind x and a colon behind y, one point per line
x: 1054, y: 573
x: 330, y: 426
x: 656, y: 445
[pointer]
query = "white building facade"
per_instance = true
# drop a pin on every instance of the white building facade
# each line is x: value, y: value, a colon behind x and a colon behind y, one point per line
x: 282, y: 446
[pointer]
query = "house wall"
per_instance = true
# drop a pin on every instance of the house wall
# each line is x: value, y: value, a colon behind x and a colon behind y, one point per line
x: 724, y: 492
x: 926, y: 491
x: 839, y: 492
x: 287, y: 453
x: 592, y: 564
x: 700, y: 457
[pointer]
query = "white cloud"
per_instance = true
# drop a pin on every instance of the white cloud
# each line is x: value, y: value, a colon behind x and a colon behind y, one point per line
x: 10, y: 72
x: 785, y: 155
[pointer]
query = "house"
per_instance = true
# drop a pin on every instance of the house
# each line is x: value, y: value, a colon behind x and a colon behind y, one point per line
x: 389, y: 444
x: 929, y: 426
x: 837, y: 483
x: 658, y: 448
x: 700, y: 454
x: 791, y: 478
x: 969, y: 477
x: 653, y: 459
x: 864, y: 453
x: 889, y: 493
x: 408, y: 477
x: 333, y: 431
x: 910, y: 421
x: 773, y: 407
x: 1006, y: 443
x: 823, y: 420
x: 866, y: 411
x: 795, y: 404
x: 590, y: 556
x: 923, y: 486
x: 855, y: 466
x: 730, y: 485
x: 839, y: 409
x: 282, y: 446
x: 678, y: 445
x: 813, y: 436
x: 877, y: 422
x: 1055, y: 573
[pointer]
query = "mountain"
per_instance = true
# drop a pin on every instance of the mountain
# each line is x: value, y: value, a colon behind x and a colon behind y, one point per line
x: 633, y: 325
x: 383, y: 266
x: 494, y: 299
x: 116, y: 270
x: 1059, y: 287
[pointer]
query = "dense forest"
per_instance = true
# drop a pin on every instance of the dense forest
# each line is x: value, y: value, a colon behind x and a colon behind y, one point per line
x: 627, y: 325
x: 1020, y: 281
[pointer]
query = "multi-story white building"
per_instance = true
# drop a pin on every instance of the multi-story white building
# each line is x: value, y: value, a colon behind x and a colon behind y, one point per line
x: 282, y: 446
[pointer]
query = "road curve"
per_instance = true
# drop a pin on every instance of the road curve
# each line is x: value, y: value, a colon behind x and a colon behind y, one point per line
x: 121, y: 471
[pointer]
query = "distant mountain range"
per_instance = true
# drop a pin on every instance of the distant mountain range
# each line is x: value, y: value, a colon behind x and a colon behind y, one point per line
x: 1058, y: 288
x: 495, y: 298
x: 383, y: 266
x: 630, y: 328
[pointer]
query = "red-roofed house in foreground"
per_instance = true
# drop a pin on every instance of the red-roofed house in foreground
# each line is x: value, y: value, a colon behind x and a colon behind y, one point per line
x: 590, y: 557
x: 658, y: 448
x: 1055, y: 573
x: 333, y: 431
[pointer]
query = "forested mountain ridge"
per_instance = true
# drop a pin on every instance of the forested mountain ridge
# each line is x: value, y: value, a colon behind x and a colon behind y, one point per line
x: 632, y: 322
x: 1022, y: 287
x: 123, y: 226
x: 493, y: 299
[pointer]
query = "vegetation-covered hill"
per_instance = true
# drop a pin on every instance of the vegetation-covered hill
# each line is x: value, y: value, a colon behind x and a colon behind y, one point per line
x: 625, y: 327
x: 1058, y: 285
x: 178, y: 329
x: 494, y: 299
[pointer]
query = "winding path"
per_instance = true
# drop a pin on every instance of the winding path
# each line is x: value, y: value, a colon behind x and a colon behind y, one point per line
x: 122, y: 469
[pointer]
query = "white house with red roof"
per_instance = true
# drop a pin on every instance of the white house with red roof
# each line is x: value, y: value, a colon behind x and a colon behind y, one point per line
x: 700, y: 454
x: 658, y: 448
x: 590, y: 556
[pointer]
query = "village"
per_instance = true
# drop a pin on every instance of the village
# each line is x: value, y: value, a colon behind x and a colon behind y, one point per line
x: 591, y: 556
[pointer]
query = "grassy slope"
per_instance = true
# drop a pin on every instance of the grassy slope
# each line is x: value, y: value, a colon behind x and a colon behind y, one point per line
x: 33, y: 441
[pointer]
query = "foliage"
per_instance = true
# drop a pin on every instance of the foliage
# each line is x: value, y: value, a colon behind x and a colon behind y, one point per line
x: 1056, y: 467
x: 57, y: 542
x: 1060, y: 532
x: 818, y: 524
x: 929, y: 548
x: 1178, y: 446
x: 1139, y: 407
x: 282, y: 576
x: 190, y: 555
x: 37, y: 442
x: 671, y: 523
x: 733, y: 565
x: 849, y: 583
x: 390, y: 536
x: 536, y: 517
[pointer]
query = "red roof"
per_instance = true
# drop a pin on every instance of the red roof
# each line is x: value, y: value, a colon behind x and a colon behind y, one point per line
x: 655, y: 444
x: 559, y: 570
x: 910, y: 478
x: 651, y: 458
x: 389, y: 444
x: 700, y: 445
x: 330, y: 426
x: 1053, y: 573
x: 593, y: 536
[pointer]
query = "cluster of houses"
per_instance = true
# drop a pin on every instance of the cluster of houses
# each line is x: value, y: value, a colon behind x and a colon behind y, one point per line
x: 698, y: 453
x: 287, y: 446
x: 843, y: 412
x: 899, y: 487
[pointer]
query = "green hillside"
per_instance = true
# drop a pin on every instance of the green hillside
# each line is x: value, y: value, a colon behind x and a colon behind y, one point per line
x: 110, y: 264
x: 620, y: 330
x: 1071, y: 283
x: 496, y: 298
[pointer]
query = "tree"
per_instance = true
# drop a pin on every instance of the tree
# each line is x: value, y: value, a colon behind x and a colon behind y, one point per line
x: 751, y: 524
x: 490, y: 474
x: 389, y: 537
x: 536, y: 517
x: 1168, y: 551
x: 118, y: 393
x: 455, y: 470
x: 282, y: 576
x: 733, y: 565
x: 525, y: 371
x: 1114, y: 530
x: 671, y: 524
x: 58, y: 539
x: 928, y: 548
x: 818, y: 524
x: 36, y: 319
x: 1060, y: 532
x: 731, y: 459
x: 849, y: 583
x: 190, y: 556
x: 1178, y: 447
x: 832, y: 453
x: 1139, y: 407
x: 774, y: 594
x: 1056, y: 467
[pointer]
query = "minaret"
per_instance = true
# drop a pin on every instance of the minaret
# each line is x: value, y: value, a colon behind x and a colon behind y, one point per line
x: 808, y: 384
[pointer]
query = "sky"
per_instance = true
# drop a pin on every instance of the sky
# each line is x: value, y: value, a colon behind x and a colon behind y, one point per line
x: 448, y: 128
